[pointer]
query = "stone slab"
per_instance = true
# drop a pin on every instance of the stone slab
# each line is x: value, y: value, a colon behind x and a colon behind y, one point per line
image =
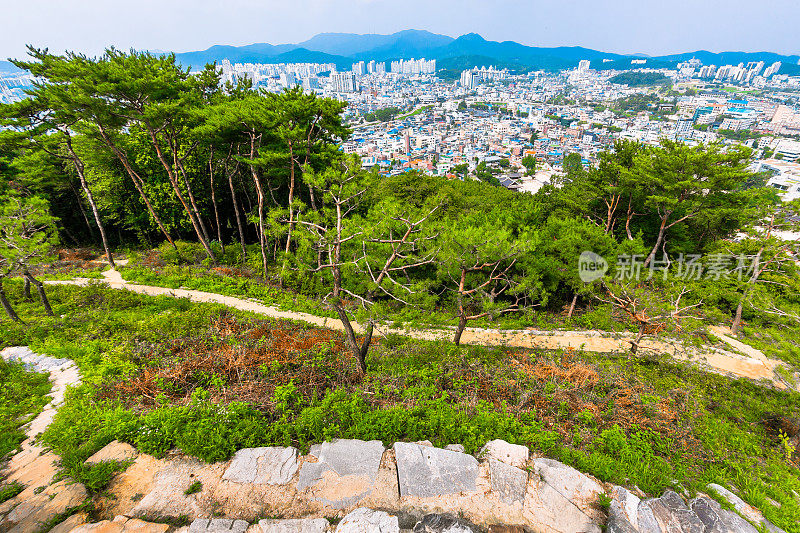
x: 508, y: 482
x: 294, y: 525
x: 345, y: 457
x: 425, y: 472
x: 264, y: 466
x: 363, y: 520
x: 511, y: 454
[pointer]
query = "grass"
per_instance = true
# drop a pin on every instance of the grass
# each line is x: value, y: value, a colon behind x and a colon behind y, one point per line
x: 162, y: 373
x: 22, y: 396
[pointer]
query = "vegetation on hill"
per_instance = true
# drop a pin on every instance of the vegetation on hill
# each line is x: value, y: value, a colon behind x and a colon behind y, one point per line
x: 640, y: 79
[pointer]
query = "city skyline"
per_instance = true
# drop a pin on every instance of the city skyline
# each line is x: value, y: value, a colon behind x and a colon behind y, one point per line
x: 623, y: 26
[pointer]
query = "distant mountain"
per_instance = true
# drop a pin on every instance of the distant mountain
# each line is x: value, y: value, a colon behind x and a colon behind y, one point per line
x: 466, y: 51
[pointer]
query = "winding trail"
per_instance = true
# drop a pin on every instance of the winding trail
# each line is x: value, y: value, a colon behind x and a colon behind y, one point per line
x: 739, y: 360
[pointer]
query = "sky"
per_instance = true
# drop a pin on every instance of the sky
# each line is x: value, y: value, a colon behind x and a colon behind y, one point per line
x: 653, y: 27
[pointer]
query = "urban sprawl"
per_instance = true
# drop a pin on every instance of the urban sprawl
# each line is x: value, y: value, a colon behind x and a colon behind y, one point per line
x: 406, y: 115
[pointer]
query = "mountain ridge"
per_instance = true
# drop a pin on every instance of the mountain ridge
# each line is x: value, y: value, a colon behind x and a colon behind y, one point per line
x: 343, y: 49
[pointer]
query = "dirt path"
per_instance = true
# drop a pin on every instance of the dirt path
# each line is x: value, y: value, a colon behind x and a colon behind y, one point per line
x: 748, y: 362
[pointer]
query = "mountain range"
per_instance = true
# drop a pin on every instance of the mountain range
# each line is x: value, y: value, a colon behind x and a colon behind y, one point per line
x: 466, y: 51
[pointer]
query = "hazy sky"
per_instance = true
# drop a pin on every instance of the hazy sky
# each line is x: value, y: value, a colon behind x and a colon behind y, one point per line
x: 645, y: 26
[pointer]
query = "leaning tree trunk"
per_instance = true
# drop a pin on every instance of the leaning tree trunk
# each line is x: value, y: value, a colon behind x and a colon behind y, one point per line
x: 42, y: 296
x: 137, y: 182
x: 572, y: 305
x: 26, y: 289
x: 359, y: 352
x: 635, y: 342
x: 462, y: 325
x: 7, y: 305
x: 659, y: 239
x: 80, y: 169
x: 173, y: 179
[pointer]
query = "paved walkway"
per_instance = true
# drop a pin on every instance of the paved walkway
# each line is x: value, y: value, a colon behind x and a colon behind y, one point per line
x: 740, y: 360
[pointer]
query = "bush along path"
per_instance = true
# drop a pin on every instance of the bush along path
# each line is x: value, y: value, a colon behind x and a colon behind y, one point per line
x: 740, y: 360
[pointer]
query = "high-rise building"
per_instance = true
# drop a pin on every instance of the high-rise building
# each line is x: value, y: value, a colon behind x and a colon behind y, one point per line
x: 583, y: 66
x: 359, y: 69
x: 468, y: 79
x: 414, y: 66
x: 343, y: 82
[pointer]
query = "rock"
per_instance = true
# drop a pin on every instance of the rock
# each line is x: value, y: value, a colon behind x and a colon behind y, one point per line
x: 218, y: 525
x: 43, y: 507
x: 715, y: 519
x: 672, y: 514
x: 424, y: 443
x: 745, y: 509
x: 506, y: 529
x: 166, y: 496
x: 619, y: 524
x: 113, y: 451
x: 266, y: 466
x: 70, y: 523
x: 511, y: 454
x: 508, y: 482
x: 300, y: 525
x: 441, y: 523
x: 455, y: 448
x: 122, y: 524
x: 646, y: 520
x: 547, y: 509
x: 344, y: 457
x: 364, y: 520
x: 573, y: 485
x: 426, y: 472
x: 624, y: 506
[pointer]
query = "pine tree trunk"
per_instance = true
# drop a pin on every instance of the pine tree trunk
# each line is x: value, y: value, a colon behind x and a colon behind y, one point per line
x: 42, y: 295
x: 238, y: 215
x: 214, y: 200
x: 359, y: 352
x: 572, y: 305
x: 26, y: 289
x: 659, y: 240
x: 80, y: 169
x: 137, y: 182
x: 462, y: 325
x: 7, y: 305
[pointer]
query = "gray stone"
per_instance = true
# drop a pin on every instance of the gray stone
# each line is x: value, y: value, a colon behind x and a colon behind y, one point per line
x: 575, y: 486
x: 672, y: 514
x: 264, y: 466
x: 344, y: 457
x: 218, y: 525
x: 364, y: 520
x: 646, y: 519
x: 426, y: 472
x: 441, y: 523
x: 624, y: 505
x: 508, y: 482
x: 295, y: 525
x: 619, y: 524
x: 455, y: 448
x: 745, y: 509
x: 511, y: 454
x: 715, y: 519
